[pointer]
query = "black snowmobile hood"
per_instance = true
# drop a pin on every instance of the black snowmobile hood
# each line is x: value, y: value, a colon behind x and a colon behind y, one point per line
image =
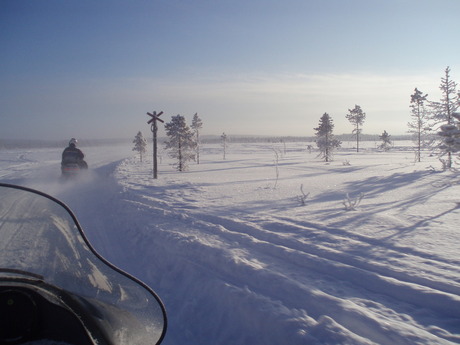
x: 41, y: 242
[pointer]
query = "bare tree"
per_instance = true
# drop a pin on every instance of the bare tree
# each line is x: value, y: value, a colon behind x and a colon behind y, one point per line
x: 197, y: 124
x: 356, y: 116
x: 419, y: 126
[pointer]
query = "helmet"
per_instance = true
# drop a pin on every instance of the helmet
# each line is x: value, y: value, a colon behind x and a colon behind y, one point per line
x: 73, y: 142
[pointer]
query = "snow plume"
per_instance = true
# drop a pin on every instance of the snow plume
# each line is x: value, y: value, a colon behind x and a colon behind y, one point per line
x: 41, y: 168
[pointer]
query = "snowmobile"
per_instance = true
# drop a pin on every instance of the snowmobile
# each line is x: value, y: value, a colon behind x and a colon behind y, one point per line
x: 71, y: 170
x: 56, y: 289
x: 72, y: 160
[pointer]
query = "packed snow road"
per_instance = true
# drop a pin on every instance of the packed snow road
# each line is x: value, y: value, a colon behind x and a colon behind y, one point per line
x: 237, y: 258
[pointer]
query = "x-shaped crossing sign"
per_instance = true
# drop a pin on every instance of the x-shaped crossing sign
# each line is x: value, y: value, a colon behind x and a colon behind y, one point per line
x: 155, y: 117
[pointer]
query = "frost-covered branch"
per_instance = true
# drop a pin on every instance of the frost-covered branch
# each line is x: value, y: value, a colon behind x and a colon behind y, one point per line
x: 302, y: 197
x: 351, y: 203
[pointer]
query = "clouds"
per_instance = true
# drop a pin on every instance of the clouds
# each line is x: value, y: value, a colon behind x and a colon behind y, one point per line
x: 270, y: 104
x: 292, y: 104
x: 257, y: 67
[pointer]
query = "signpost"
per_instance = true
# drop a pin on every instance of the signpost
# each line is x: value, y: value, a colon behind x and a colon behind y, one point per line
x: 154, y: 128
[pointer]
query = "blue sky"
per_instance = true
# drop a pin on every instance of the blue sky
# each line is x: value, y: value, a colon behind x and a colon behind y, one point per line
x: 90, y: 69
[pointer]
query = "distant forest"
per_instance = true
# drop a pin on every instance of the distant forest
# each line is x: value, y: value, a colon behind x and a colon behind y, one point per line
x: 276, y: 139
x: 205, y: 139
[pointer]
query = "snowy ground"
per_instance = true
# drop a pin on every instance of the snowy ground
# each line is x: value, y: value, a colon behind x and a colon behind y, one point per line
x: 239, y: 259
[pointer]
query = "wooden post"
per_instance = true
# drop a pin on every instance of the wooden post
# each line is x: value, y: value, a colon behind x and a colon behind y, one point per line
x: 154, y: 128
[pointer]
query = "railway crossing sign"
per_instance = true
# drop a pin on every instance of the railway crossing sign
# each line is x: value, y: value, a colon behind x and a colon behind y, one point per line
x: 154, y: 128
x: 155, y: 118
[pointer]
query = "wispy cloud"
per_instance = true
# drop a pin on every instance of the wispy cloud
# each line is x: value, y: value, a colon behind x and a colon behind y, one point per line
x: 278, y: 104
x: 293, y: 103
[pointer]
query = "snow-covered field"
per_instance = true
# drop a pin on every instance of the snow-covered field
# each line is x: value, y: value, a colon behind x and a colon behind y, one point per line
x: 239, y: 258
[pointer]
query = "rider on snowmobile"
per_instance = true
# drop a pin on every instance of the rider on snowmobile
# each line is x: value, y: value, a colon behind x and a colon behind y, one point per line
x: 73, y: 155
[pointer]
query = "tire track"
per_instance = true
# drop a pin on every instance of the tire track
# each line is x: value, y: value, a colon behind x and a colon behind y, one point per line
x: 323, y: 276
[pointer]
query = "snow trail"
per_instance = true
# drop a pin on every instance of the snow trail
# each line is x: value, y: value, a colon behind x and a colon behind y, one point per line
x: 238, y: 261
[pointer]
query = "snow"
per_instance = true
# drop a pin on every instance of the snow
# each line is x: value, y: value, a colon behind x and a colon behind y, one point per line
x: 237, y: 258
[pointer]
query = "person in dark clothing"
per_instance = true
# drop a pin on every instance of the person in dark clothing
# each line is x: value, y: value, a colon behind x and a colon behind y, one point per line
x: 73, y: 155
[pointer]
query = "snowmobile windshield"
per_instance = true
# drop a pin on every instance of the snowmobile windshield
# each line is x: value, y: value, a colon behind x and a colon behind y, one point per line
x: 41, y: 240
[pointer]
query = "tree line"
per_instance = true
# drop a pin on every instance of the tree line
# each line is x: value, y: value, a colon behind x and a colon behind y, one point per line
x: 183, y: 143
x: 428, y: 118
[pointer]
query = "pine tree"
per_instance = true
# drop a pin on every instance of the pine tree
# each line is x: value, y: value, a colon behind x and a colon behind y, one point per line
x: 443, y: 114
x: 450, y: 134
x: 140, y: 144
x: 326, y: 141
x: 386, y: 142
x: 180, y: 141
x: 449, y: 103
x: 419, y: 126
x: 197, y: 124
x: 356, y: 116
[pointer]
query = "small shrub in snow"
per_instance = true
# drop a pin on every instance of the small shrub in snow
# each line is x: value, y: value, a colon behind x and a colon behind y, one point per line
x: 386, y: 141
x: 223, y: 137
x: 276, y: 162
x: 444, y: 164
x: 302, y: 197
x: 351, y: 203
